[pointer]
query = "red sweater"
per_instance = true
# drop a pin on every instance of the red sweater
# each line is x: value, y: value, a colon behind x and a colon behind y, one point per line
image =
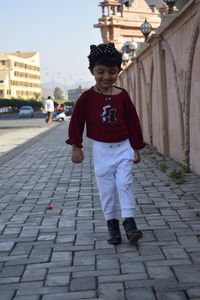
x: 108, y: 121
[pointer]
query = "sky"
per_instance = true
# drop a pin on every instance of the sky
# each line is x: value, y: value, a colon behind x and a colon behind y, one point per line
x: 60, y: 30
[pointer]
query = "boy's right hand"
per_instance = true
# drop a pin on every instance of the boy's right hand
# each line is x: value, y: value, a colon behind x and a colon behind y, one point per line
x: 77, y: 155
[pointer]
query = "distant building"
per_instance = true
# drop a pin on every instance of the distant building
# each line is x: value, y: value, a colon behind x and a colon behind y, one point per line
x: 74, y: 94
x: 20, y: 75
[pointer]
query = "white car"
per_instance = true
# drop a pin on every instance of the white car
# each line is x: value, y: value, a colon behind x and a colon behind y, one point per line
x: 26, y: 111
x: 61, y: 116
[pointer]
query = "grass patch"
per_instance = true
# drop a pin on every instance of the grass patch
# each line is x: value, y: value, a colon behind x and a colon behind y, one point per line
x: 176, y: 174
x: 162, y: 167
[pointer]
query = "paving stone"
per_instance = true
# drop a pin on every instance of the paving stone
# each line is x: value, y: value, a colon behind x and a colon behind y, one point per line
x: 113, y: 291
x: 83, y: 284
x: 83, y: 260
x: 147, y: 250
x: 107, y: 264
x: 11, y: 271
x: 109, y: 272
x: 165, y: 235
x: 187, y: 273
x: 136, y: 267
x: 174, y: 295
x: 21, y: 249
x: 9, y: 279
x: 60, y: 279
x: 138, y: 294
x: 62, y: 256
x: 71, y: 296
x: 27, y: 297
x: 124, y: 277
x: 7, y: 295
x: 160, y: 272
x: 189, y: 240
x: 193, y: 292
x: 6, y: 246
x: 34, y: 275
x: 174, y: 252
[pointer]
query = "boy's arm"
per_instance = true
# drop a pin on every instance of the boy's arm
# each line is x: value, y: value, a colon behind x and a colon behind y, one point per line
x: 134, y: 127
x: 76, y: 125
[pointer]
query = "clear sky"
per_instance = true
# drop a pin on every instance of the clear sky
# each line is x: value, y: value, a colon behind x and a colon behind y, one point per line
x: 60, y: 30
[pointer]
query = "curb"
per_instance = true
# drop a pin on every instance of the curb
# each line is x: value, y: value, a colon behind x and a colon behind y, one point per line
x: 19, y: 149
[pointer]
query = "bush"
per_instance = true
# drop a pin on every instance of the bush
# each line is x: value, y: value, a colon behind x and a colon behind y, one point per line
x: 15, y: 104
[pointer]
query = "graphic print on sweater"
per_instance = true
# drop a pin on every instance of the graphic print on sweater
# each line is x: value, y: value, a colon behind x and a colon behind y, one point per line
x: 108, y: 115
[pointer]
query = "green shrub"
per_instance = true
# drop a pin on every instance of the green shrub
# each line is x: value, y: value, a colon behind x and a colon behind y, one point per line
x: 15, y: 104
x: 163, y: 167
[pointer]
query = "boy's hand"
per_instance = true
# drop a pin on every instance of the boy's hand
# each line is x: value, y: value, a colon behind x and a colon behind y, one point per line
x: 137, y: 157
x: 77, y: 155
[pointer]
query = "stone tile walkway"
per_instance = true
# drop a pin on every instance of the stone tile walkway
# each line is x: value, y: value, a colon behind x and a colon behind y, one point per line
x: 53, y: 234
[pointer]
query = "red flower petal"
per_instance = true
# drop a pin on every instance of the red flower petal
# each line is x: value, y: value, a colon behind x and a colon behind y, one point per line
x: 49, y: 207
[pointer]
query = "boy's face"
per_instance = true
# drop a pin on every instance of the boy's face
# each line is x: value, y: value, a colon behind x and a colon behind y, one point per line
x: 105, y: 76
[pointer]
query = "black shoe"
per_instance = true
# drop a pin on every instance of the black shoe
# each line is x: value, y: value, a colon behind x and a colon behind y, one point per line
x: 114, y: 234
x: 132, y: 233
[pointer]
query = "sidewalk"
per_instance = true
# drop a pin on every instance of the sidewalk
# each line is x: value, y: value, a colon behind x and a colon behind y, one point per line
x: 53, y: 234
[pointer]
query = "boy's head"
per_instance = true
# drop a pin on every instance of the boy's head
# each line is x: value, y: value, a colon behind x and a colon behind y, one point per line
x: 104, y: 54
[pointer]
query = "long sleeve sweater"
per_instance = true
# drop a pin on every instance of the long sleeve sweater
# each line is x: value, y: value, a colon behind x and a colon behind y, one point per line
x: 108, y: 121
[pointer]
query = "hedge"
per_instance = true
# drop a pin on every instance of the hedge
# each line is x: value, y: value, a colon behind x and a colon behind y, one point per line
x: 15, y: 104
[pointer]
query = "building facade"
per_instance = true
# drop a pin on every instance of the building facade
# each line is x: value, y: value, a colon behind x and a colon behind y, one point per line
x: 20, y: 75
x: 74, y: 94
x: 120, y: 21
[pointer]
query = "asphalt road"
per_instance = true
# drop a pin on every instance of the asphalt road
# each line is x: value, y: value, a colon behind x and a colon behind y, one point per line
x: 10, y: 123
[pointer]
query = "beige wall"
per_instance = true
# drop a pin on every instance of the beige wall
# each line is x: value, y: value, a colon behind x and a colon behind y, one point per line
x: 164, y: 83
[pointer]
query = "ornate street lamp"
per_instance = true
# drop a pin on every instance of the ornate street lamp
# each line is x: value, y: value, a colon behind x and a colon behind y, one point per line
x: 133, y: 46
x: 170, y: 4
x: 125, y: 58
x: 146, y: 29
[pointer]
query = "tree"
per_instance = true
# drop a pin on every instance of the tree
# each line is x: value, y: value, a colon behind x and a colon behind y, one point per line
x: 37, y: 96
x: 58, y: 93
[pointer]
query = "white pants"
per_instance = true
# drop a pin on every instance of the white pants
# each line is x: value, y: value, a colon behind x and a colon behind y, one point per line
x: 113, y: 165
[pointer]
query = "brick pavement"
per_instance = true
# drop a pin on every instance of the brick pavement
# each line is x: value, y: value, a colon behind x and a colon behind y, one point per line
x: 62, y: 253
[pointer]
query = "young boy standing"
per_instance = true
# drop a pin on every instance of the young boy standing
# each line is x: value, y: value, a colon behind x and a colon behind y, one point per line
x: 113, y: 125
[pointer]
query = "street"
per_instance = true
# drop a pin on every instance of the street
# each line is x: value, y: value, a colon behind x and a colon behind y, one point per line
x: 10, y: 123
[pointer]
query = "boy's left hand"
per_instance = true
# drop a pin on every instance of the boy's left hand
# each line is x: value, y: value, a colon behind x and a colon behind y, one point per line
x: 137, y: 157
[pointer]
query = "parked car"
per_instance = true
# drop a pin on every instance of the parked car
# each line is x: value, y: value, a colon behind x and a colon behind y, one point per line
x: 26, y: 111
x: 62, y: 115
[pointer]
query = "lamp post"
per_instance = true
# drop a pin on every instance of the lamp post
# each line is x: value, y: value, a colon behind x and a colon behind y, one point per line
x: 146, y: 29
x: 170, y: 4
x: 53, y: 79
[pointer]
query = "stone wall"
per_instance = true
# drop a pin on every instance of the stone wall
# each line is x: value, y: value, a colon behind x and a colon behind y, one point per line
x: 164, y: 83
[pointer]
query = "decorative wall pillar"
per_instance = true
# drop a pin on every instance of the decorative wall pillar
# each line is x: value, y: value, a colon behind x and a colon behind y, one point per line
x: 164, y: 104
x: 138, y: 91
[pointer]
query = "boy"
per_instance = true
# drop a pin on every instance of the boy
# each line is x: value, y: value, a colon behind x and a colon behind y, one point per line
x: 113, y: 125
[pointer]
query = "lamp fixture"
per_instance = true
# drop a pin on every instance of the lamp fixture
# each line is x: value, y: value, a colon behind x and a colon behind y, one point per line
x: 170, y: 4
x: 125, y: 58
x: 146, y: 29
